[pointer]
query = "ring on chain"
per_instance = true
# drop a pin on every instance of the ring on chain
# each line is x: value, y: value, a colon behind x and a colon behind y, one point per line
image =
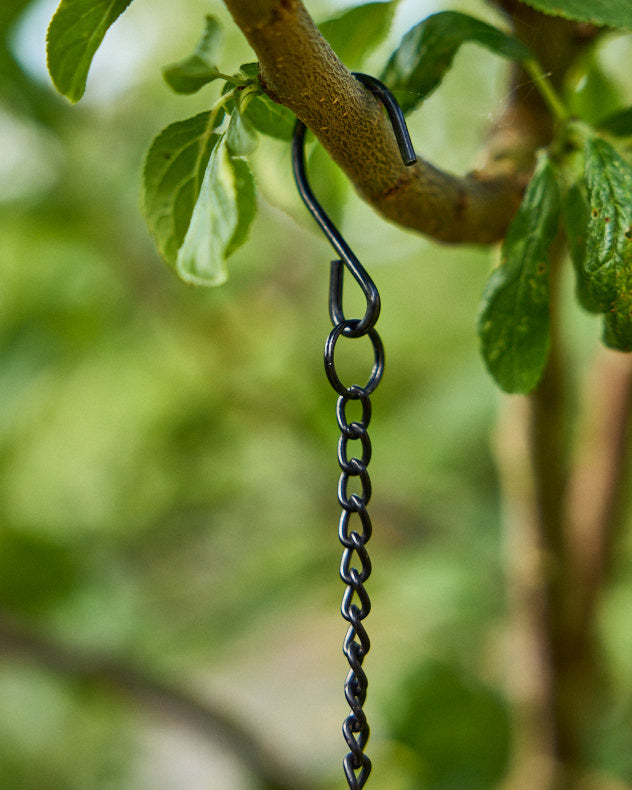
x: 354, y: 392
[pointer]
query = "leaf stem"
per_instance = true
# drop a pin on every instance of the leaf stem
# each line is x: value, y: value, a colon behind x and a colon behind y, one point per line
x: 547, y: 91
x: 221, y: 104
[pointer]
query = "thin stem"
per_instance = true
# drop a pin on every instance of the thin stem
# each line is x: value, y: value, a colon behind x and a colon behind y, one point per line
x: 547, y: 91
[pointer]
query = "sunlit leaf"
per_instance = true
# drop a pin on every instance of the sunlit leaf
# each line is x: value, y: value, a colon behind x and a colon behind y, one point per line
x: 245, y: 203
x: 514, y: 320
x: 607, y: 265
x: 592, y: 94
x: 355, y: 33
x: 615, y: 13
x: 192, y: 73
x: 172, y: 177
x: 426, y: 52
x: 241, y: 137
x: 74, y: 35
x: 220, y: 218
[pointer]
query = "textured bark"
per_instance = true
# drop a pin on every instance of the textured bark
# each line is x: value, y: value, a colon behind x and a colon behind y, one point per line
x: 300, y: 70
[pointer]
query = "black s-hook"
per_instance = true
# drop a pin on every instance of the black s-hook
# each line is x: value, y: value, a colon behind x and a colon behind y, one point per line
x: 348, y: 258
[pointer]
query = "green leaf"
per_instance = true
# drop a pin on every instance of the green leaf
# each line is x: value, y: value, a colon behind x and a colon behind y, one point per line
x: 615, y: 13
x: 245, y: 202
x: 514, y: 320
x: 35, y: 572
x: 592, y: 95
x: 271, y: 118
x: 249, y: 71
x: 199, y: 199
x: 172, y: 177
x: 618, y: 124
x: 357, y: 32
x: 460, y: 729
x: 575, y: 221
x: 607, y: 265
x: 426, y: 53
x: 240, y: 135
x: 192, y: 73
x: 74, y: 35
x: 220, y: 218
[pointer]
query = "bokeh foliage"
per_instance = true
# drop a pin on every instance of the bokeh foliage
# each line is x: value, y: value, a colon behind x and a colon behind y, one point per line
x: 167, y: 456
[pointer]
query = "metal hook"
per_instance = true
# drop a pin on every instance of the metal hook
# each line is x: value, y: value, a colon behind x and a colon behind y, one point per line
x: 363, y: 325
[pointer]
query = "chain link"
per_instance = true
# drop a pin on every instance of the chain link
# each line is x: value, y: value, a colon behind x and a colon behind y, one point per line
x: 355, y: 565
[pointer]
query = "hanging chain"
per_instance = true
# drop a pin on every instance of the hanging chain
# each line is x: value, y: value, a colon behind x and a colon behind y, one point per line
x: 355, y: 600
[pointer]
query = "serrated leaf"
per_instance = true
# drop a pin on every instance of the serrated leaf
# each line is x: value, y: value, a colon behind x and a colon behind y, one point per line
x: 355, y: 33
x: 607, y: 266
x: 74, y: 35
x: 271, y: 118
x: 615, y: 13
x: 192, y: 73
x: 514, y: 319
x: 617, y: 329
x: 575, y: 221
x: 172, y: 177
x: 220, y: 218
x: 426, y: 53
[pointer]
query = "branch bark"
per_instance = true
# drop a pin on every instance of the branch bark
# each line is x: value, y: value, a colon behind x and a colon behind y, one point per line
x: 299, y: 69
x: 565, y: 502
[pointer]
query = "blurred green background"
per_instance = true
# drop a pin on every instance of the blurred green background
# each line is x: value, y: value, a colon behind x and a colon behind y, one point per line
x: 168, y: 456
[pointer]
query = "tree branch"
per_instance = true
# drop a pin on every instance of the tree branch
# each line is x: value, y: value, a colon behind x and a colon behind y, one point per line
x: 166, y: 699
x: 299, y: 69
x: 596, y: 488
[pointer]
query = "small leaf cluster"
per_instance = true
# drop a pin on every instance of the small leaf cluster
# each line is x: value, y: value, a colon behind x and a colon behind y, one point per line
x: 593, y: 196
x: 199, y: 192
x: 198, y: 189
x: 580, y: 194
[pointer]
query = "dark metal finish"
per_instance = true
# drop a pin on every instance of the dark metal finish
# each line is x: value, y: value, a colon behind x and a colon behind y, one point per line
x: 355, y: 600
x: 348, y: 258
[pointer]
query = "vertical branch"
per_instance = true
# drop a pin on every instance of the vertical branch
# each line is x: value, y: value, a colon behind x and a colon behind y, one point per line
x: 562, y: 507
x: 596, y: 488
x: 532, y: 450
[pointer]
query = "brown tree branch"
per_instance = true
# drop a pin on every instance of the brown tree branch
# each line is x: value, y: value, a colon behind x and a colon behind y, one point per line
x: 597, y: 485
x: 300, y: 70
x: 160, y: 696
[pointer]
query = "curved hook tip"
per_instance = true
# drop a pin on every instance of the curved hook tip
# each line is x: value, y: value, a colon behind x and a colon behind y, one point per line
x: 395, y: 114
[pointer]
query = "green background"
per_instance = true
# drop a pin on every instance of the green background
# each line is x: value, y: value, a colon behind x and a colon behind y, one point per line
x: 168, y: 455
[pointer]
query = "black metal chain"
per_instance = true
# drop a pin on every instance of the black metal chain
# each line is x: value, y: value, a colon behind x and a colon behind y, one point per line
x: 356, y: 603
x: 355, y: 600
